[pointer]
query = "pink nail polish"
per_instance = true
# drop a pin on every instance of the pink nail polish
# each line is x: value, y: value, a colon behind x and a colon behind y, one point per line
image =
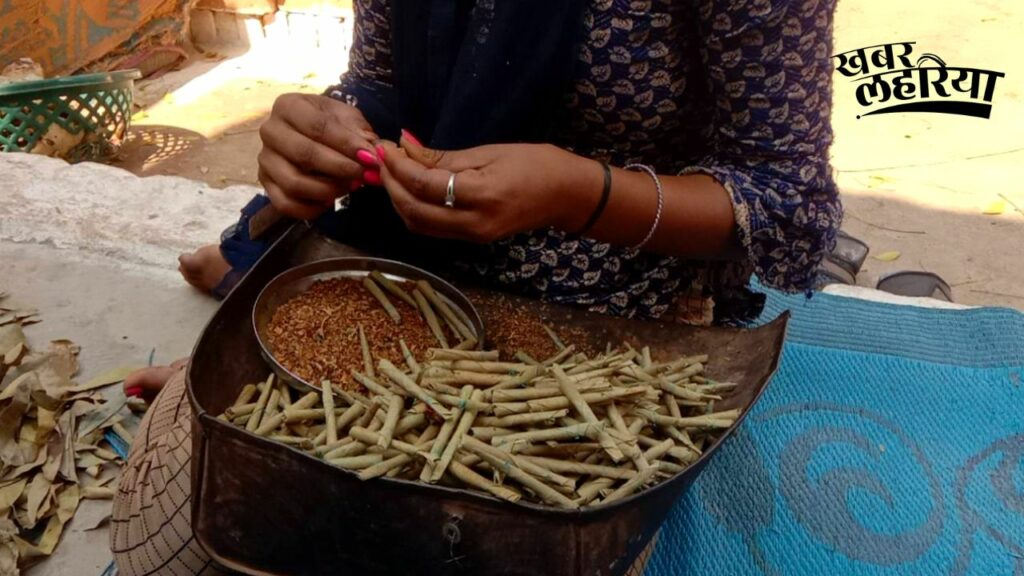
x: 367, y: 157
x: 380, y: 152
x: 372, y: 177
x: 408, y: 136
x: 134, y: 391
x: 355, y: 185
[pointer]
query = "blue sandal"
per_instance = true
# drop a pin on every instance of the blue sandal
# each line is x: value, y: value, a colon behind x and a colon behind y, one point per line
x: 240, y: 251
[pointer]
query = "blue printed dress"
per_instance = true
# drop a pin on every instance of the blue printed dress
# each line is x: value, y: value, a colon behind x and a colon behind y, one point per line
x: 736, y: 89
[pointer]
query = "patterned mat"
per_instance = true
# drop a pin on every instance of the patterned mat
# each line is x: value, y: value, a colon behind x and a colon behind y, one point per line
x: 891, y: 441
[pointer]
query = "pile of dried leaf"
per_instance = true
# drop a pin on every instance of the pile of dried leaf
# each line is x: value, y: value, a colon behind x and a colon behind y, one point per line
x: 55, y: 446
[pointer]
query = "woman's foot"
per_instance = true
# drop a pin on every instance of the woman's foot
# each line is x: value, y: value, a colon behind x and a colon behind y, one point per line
x: 148, y: 382
x: 205, y: 268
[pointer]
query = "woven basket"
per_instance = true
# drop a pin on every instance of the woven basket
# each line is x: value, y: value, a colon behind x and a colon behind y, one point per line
x: 76, y: 118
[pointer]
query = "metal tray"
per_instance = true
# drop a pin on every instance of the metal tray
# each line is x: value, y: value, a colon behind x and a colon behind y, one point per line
x: 294, y: 281
x: 263, y: 508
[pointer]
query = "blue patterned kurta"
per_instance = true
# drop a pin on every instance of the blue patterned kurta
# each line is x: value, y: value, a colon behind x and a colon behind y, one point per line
x: 736, y: 89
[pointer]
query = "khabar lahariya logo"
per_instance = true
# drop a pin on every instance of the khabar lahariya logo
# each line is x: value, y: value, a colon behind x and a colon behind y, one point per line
x: 888, y: 81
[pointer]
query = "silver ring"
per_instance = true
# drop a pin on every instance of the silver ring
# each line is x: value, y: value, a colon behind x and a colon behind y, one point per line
x: 449, y: 196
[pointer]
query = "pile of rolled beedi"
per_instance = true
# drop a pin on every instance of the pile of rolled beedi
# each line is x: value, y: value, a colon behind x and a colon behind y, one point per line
x: 569, y: 431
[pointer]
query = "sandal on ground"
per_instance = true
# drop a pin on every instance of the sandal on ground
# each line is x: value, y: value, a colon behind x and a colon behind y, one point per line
x: 239, y: 249
x: 916, y: 284
x: 841, y: 265
x: 849, y: 253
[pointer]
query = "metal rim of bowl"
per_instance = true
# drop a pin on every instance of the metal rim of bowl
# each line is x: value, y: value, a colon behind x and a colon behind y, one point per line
x: 349, y: 266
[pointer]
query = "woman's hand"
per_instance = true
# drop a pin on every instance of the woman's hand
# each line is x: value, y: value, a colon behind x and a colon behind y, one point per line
x: 500, y: 189
x: 315, y: 149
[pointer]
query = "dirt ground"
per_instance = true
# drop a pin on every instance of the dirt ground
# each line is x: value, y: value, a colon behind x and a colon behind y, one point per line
x: 916, y: 184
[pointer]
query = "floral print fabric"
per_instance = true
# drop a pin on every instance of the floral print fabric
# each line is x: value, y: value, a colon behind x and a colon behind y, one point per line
x: 736, y: 89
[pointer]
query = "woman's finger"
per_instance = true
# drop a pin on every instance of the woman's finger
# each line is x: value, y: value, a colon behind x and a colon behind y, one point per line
x: 306, y: 154
x: 298, y: 185
x: 433, y: 219
x: 287, y: 205
x: 327, y: 121
x: 430, y: 185
x: 452, y: 160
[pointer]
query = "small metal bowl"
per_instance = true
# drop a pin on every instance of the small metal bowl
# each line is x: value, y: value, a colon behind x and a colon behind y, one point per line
x: 294, y: 281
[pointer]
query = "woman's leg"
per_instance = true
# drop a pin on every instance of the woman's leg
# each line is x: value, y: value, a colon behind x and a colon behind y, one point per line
x: 151, y: 525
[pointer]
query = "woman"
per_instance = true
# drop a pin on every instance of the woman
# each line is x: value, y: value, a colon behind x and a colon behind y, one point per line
x: 641, y: 158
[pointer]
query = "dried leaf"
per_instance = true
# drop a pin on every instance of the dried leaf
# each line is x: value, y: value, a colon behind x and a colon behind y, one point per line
x: 47, y: 378
x: 40, y: 399
x: 28, y: 466
x: 887, y: 256
x: 10, y: 336
x: 46, y: 422
x: 8, y: 548
x: 123, y: 434
x: 100, y: 416
x: 15, y: 354
x: 92, y: 437
x: 105, y: 454
x: 88, y: 460
x: 39, y: 490
x: 98, y: 493
x: 996, y: 208
x: 24, y: 380
x: 27, y: 435
x: 106, y: 379
x: 10, y: 423
x: 82, y: 407
x: 66, y: 425
x: 37, y: 500
x: 56, y: 371
x: 26, y: 313
x: 10, y: 493
x: 54, y: 456
x: 33, y: 360
x: 67, y: 502
x: 47, y: 542
x: 27, y: 442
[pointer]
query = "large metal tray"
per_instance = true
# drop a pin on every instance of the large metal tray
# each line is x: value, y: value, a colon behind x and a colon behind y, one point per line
x: 264, y: 508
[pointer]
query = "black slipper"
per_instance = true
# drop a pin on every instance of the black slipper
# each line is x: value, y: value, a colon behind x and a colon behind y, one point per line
x: 849, y: 253
x: 916, y: 284
x: 830, y: 272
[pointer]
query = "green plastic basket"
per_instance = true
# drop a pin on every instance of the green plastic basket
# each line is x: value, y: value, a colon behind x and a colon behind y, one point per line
x: 76, y: 118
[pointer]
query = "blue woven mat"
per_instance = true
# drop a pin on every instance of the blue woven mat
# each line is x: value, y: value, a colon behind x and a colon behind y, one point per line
x: 891, y: 441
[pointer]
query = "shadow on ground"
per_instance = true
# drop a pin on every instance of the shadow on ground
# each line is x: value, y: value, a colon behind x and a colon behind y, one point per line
x: 942, y: 241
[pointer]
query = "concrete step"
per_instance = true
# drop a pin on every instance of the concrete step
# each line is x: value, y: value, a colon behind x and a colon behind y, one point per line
x: 327, y: 30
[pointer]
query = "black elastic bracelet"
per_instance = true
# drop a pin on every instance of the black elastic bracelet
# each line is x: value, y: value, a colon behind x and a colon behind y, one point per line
x: 606, y: 192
